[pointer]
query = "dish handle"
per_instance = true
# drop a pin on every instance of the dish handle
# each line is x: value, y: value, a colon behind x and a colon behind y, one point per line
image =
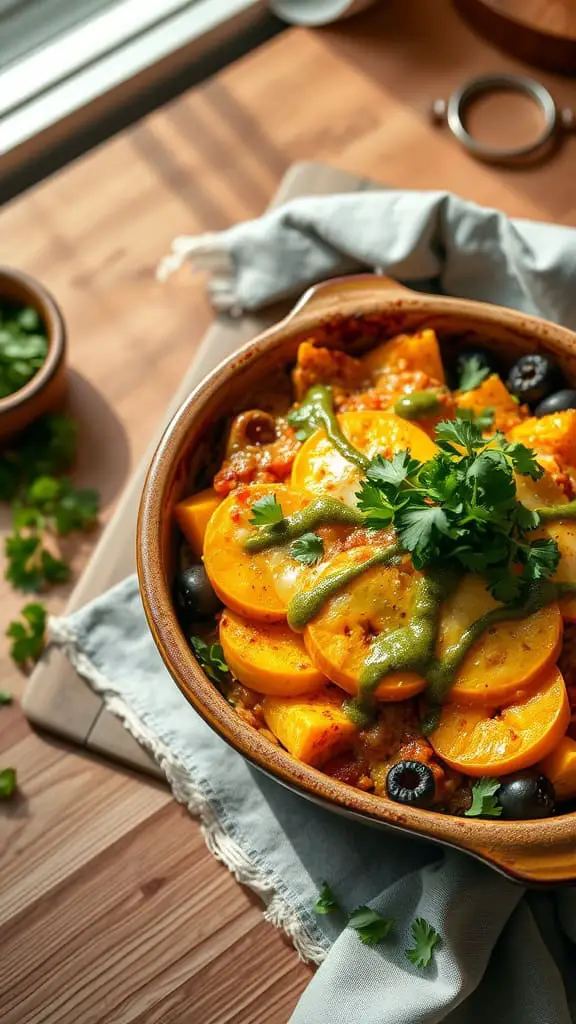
x: 328, y: 297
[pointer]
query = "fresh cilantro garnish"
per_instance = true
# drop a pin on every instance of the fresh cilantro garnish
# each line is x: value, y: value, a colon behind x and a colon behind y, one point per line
x: 484, y: 803
x: 373, y: 502
x: 5, y: 697
x: 473, y: 373
x: 307, y: 549
x: 7, y: 782
x: 392, y: 471
x: 426, y: 938
x: 326, y: 902
x: 211, y: 658
x: 484, y: 419
x: 370, y: 925
x: 266, y: 511
x: 27, y: 637
x: 460, y: 508
x: 420, y: 529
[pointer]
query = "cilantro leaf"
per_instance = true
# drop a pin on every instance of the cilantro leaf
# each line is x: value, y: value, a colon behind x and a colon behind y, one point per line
x: 29, y: 566
x: 484, y: 802
x: 523, y: 459
x: 45, y: 448
x: 484, y: 419
x: 62, y: 505
x: 526, y: 518
x: 54, y: 570
x: 22, y: 562
x: 504, y: 585
x: 5, y: 697
x: 211, y: 659
x: 540, y: 559
x: 374, y: 503
x: 7, y: 782
x: 307, y: 549
x: 266, y: 511
x: 426, y: 938
x: 22, y: 353
x: 326, y: 902
x: 29, y: 319
x: 28, y: 637
x: 392, y: 471
x: 370, y: 925
x: 473, y: 373
x: 418, y: 529
x: 451, y: 435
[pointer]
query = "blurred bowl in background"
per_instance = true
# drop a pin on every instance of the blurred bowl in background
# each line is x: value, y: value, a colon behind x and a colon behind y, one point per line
x: 317, y: 12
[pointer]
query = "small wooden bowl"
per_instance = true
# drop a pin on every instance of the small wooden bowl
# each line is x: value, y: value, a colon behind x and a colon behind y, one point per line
x: 533, y: 852
x: 47, y: 388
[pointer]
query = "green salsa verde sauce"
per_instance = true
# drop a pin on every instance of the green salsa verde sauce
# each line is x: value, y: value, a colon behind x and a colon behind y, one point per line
x: 305, y: 606
x: 321, y: 511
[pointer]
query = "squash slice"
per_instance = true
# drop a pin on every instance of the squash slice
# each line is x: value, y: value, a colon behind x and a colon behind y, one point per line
x: 320, y: 470
x: 339, y: 637
x: 508, y: 658
x: 268, y: 657
x: 496, y: 741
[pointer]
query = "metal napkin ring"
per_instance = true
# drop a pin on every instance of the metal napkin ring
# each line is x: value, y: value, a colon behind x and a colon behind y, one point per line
x: 453, y: 113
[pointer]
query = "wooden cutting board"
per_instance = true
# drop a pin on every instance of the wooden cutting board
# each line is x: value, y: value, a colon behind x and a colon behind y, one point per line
x: 56, y: 697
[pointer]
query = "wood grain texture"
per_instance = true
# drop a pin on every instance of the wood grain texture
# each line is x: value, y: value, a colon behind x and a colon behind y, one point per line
x: 111, y: 909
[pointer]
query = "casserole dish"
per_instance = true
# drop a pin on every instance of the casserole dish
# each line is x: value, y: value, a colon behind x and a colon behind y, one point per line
x: 355, y: 312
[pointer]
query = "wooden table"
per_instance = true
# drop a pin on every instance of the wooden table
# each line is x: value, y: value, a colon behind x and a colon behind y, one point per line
x: 111, y: 908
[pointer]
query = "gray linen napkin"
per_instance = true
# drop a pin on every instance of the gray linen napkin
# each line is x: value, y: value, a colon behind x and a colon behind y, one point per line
x: 506, y: 956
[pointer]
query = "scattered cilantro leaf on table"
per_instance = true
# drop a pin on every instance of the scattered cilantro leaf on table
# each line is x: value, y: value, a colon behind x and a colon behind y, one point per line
x: 30, y: 566
x: 484, y: 802
x: 62, y: 506
x: 266, y: 511
x: 7, y: 782
x: 27, y: 637
x: 5, y: 697
x: 370, y: 925
x: 426, y: 938
x: 473, y: 373
x: 46, y: 448
x: 326, y: 902
x: 307, y: 549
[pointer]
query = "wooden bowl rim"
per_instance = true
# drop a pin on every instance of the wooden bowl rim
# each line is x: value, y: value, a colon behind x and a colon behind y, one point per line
x: 52, y: 318
x: 482, y: 838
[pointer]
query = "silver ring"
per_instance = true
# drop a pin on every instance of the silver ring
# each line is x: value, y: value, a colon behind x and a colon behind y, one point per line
x: 454, y: 113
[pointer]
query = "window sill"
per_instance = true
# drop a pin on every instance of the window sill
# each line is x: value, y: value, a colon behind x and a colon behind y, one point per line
x: 111, y: 71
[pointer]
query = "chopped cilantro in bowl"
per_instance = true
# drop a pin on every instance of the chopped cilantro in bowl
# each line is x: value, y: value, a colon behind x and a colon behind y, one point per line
x: 23, y: 346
